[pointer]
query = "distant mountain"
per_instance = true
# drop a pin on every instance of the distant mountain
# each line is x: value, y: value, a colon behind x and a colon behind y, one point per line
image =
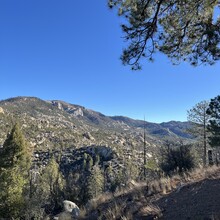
x: 80, y: 119
x: 176, y: 129
x: 52, y: 125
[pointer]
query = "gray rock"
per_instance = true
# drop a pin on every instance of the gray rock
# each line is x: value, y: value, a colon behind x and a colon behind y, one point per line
x: 71, y: 211
x: 88, y: 136
x: 71, y: 207
x: 77, y: 112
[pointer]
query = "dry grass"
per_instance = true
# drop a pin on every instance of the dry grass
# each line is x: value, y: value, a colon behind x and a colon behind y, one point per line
x: 117, y: 206
x: 93, y: 203
x: 151, y: 210
x: 115, y: 211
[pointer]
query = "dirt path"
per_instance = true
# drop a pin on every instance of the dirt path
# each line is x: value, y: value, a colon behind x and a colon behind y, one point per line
x: 195, y: 201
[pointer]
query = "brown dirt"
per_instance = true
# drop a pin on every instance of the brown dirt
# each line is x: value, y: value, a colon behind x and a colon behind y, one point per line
x: 192, y: 201
x: 195, y: 201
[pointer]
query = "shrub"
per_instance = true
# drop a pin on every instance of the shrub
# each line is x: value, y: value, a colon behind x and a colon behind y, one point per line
x: 177, y: 158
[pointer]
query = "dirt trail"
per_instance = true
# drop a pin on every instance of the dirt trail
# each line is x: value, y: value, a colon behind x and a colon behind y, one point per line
x: 195, y: 201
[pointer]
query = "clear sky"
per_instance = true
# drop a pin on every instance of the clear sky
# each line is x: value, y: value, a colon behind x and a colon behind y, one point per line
x: 69, y: 50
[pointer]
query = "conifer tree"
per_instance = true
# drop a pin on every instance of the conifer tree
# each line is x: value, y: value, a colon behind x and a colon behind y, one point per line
x: 199, y: 120
x: 52, y: 185
x: 14, y: 152
x: 14, y: 170
x: 95, y: 184
x: 183, y: 30
x: 89, y: 162
x: 214, y: 124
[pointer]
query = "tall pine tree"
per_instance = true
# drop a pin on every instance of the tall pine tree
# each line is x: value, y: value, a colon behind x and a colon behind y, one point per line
x: 95, y: 182
x: 51, y: 186
x: 14, y: 169
x: 214, y: 123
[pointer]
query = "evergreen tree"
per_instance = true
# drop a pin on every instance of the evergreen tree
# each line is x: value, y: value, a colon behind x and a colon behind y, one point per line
x: 51, y: 186
x: 97, y: 159
x: 183, y: 30
x: 89, y: 162
x: 177, y: 158
x: 14, y: 152
x: 14, y: 171
x: 84, y: 161
x: 199, y: 120
x: 95, y: 183
x: 214, y: 123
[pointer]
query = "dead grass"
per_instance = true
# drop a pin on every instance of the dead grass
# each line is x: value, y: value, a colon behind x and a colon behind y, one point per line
x: 103, y: 198
x: 151, y: 210
x: 115, y: 211
x: 140, y: 194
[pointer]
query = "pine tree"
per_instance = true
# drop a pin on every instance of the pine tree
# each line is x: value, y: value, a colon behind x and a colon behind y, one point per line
x: 95, y: 182
x: 51, y: 185
x: 14, y: 151
x: 89, y: 162
x: 214, y: 122
x: 14, y: 171
x: 199, y: 120
x: 183, y: 30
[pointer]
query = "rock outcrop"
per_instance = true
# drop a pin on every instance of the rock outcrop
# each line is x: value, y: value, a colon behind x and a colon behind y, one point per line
x: 1, y: 111
x: 71, y: 211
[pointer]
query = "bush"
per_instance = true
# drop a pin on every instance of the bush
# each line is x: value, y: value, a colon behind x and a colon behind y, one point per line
x: 177, y: 158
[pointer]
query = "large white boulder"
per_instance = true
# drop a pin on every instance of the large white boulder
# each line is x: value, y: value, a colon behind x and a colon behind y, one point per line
x: 71, y: 211
x: 71, y: 207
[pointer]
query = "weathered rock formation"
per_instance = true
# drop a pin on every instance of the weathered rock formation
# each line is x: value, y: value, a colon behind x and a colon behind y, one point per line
x: 1, y: 111
x: 71, y: 211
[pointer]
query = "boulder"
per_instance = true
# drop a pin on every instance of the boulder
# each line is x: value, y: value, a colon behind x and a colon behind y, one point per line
x: 88, y: 136
x: 71, y: 207
x: 71, y: 211
x: 1, y: 110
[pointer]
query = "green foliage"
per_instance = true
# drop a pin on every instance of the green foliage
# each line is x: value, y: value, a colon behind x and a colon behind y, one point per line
x: 181, y: 30
x: 152, y: 164
x: 214, y: 123
x: 84, y: 161
x: 12, y: 194
x: 14, y: 167
x: 95, y: 183
x: 89, y: 162
x: 177, y: 158
x: 131, y: 171
x: 52, y: 185
x: 118, y: 180
x: 97, y: 159
x: 199, y: 120
x: 15, y: 150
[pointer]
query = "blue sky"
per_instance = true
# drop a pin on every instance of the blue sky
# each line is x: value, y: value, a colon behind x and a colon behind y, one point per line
x: 69, y: 50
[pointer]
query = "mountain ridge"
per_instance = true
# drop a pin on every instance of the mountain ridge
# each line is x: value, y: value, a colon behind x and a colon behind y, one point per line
x: 171, y: 128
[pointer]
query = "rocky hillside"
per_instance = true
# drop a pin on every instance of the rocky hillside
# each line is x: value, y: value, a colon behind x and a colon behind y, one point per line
x: 55, y: 125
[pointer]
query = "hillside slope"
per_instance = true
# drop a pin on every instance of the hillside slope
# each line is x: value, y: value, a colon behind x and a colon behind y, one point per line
x: 49, y: 123
x: 195, y: 196
x: 55, y: 126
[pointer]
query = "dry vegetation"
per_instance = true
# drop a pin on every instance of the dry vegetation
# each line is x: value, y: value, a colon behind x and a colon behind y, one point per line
x: 139, y: 200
